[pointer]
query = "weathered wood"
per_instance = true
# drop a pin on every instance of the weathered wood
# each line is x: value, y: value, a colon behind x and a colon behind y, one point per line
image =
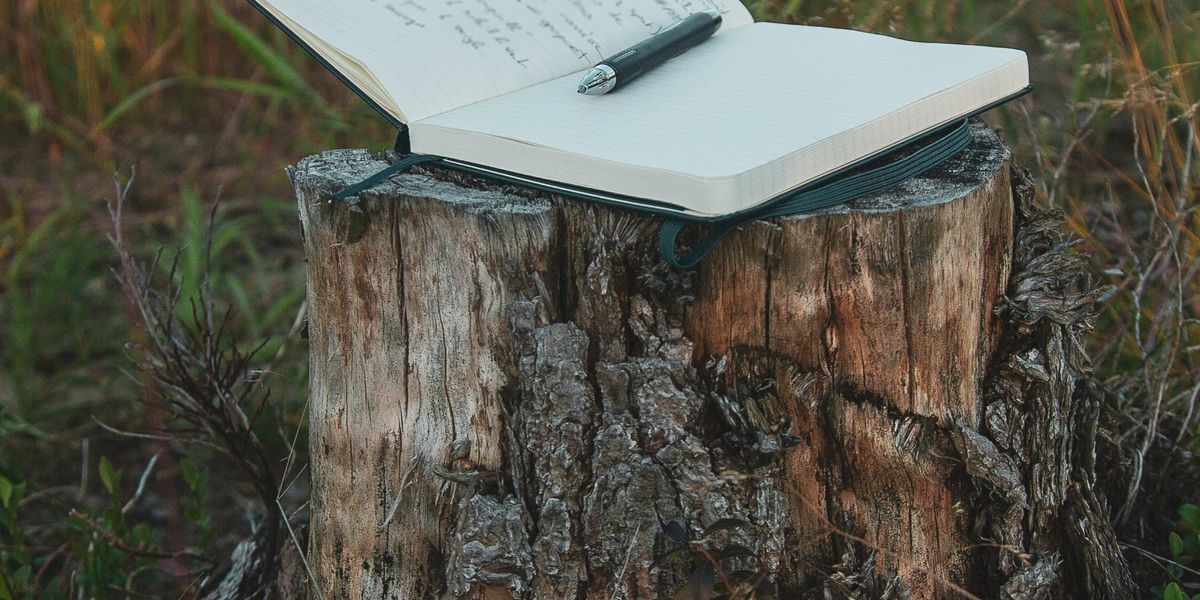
x: 511, y: 397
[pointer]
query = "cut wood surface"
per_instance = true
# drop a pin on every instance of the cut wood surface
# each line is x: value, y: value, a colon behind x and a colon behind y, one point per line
x: 512, y: 397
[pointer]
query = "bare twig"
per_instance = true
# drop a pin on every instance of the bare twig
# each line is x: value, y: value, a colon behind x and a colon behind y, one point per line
x: 314, y: 588
x: 141, y: 486
x: 84, y: 469
x: 628, y: 555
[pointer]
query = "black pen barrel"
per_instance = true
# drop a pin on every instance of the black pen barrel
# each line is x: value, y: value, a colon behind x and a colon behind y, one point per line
x: 651, y: 53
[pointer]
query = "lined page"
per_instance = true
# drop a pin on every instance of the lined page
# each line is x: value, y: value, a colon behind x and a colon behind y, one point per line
x: 430, y: 56
x: 738, y: 119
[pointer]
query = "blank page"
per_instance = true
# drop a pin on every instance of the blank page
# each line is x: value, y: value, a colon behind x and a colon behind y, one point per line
x: 737, y: 120
x: 430, y: 56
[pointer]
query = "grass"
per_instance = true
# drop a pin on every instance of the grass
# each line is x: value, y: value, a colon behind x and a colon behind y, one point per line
x: 211, y: 101
x: 81, y: 69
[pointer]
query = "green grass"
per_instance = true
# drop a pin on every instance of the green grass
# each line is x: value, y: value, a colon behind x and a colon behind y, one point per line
x: 58, y: 347
x: 65, y: 365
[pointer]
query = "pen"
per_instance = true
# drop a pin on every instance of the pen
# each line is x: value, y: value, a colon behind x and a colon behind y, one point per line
x: 625, y: 66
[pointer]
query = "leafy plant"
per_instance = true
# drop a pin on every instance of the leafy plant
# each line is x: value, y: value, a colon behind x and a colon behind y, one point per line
x: 98, y: 551
x: 196, y: 511
x: 112, y: 556
x: 1174, y: 592
x: 1184, y: 544
x: 16, y: 562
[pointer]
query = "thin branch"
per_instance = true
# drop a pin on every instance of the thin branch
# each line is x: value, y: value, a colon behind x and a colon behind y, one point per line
x: 313, y: 587
x: 141, y: 486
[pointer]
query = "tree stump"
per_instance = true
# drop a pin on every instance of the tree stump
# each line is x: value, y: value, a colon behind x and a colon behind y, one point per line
x: 512, y: 397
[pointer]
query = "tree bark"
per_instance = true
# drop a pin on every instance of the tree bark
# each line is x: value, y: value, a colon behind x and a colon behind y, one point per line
x: 512, y: 397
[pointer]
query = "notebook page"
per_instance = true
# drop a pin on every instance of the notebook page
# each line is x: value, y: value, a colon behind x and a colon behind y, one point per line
x: 750, y: 98
x: 430, y: 56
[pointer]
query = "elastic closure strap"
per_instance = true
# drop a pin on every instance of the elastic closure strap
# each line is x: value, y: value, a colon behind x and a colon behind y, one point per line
x: 392, y: 170
x: 830, y: 194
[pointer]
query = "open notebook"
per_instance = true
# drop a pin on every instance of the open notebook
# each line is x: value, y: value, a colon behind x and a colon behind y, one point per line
x: 757, y: 111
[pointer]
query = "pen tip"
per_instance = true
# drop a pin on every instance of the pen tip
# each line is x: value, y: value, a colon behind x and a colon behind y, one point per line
x: 582, y: 89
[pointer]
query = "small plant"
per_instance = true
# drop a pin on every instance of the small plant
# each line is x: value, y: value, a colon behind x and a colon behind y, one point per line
x: 1174, y: 592
x: 114, y: 555
x: 196, y: 478
x: 214, y: 397
x: 1185, y: 556
x: 16, y: 563
x: 96, y: 552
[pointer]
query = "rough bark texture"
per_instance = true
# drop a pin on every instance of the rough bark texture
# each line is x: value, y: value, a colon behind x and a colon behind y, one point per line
x: 513, y: 398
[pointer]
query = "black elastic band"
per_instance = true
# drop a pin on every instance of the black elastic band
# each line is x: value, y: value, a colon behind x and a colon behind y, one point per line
x: 831, y: 194
x: 825, y: 195
x: 392, y: 170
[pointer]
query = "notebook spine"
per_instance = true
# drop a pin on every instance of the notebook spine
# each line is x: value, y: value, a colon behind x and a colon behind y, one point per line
x: 403, y: 145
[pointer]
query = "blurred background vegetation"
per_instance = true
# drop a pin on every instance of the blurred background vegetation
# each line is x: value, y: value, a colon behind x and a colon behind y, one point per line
x: 209, y: 102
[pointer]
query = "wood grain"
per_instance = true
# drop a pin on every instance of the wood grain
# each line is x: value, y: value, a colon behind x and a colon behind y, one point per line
x: 512, y: 397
